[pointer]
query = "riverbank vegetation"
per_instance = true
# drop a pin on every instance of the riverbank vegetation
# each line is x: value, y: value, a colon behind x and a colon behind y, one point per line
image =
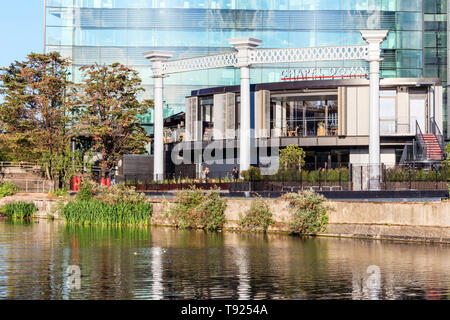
x: 7, y: 189
x: 258, y: 218
x: 101, y: 213
x: 99, y: 205
x: 19, y: 210
x: 198, y: 209
x: 309, y: 214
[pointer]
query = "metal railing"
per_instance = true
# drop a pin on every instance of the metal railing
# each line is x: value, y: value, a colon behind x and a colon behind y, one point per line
x: 33, y: 185
x: 355, y: 177
x: 309, y: 127
x: 24, y: 165
x: 420, y: 152
x: 437, y: 132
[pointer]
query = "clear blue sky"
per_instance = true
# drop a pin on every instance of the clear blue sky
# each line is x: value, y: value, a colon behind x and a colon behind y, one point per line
x: 21, y: 29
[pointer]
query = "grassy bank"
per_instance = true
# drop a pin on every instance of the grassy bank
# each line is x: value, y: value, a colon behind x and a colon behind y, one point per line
x: 96, y: 212
x: 114, y: 206
x: 19, y: 210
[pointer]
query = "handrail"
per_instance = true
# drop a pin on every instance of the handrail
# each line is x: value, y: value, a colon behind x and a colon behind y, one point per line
x: 421, y: 143
x: 21, y: 164
x: 405, y: 153
x: 437, y: 132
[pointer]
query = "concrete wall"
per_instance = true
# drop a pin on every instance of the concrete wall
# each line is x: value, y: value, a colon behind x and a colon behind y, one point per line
x: 400, y: 221
x: 361, y: 156
x: 392, y: 220
x: 43, y: 202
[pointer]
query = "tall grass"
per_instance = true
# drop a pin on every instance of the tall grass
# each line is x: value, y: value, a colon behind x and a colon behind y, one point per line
x: 94, y: 212
x: 19, y: 210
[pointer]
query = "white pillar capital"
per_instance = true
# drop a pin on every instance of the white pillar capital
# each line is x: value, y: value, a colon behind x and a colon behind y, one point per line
x: 374, y: 38
x: 244, y: 46
x: 157, y: 58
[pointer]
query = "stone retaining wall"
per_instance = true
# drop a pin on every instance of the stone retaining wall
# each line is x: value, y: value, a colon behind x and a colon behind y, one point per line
x: 393, y: 220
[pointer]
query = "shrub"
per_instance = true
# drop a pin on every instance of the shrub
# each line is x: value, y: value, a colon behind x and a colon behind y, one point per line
x: 309, y: 214
x: 87, y: 190
x: 211, y: 212
x: 119, y: 193
x: 59, y: 192
x: 100, y: 213
x: 7, y: 189
x: 313, y: 176
x: 345, y: 175
x: 196, y: 209
x: 258, y: 217
x: 252, y: 174
x: 404, y: 175
x: 19, y: 210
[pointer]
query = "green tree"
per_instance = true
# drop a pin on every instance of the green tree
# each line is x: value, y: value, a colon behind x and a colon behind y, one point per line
x: 34, y: 113
x: 446, y: 162
x: 292, y: 157
x: 107, y: 110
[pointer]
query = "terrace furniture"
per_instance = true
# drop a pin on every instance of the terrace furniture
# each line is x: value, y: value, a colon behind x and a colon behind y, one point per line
x: 293, y: 133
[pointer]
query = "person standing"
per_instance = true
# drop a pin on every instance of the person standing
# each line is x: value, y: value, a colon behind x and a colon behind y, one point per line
x: 206, y: 174
x: 235, y: 174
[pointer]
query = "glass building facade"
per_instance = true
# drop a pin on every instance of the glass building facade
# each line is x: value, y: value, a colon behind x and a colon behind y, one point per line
x: 107, y: 31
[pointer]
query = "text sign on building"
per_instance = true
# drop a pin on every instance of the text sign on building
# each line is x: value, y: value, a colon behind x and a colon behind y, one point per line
x: 324, y: 73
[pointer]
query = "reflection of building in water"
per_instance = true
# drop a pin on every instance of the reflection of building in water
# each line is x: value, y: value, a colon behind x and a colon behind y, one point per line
x: 157, y: 272
x: 197, y: 265
x: 366, y: 283
x: 244, y: 279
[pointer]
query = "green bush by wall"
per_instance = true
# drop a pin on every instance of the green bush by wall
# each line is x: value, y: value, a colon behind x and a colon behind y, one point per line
x: 197, y: 209
x: 19, y: 210
x: 309, y: 214
x: 258, y: 218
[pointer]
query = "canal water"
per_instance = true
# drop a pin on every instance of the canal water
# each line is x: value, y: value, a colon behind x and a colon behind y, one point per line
x: 50, y: 260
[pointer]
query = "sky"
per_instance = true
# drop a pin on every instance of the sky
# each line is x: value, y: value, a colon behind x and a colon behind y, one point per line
x: 21, y: 29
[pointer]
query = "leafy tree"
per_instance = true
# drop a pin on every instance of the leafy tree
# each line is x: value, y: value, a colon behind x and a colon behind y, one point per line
x: 446, y: 162
x: 292, y: 157
x: 34, y: 113
x: 107, y: 110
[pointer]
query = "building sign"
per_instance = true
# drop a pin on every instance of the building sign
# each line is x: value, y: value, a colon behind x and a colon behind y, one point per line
x: 324, y: 73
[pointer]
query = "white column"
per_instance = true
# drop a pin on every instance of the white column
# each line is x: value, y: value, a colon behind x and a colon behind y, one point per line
x: 158, y: 125
x: 374, y: 39
x: 278, y: 119
x: 244, y: 47
x: 245, y: 132
x: 157, y: 59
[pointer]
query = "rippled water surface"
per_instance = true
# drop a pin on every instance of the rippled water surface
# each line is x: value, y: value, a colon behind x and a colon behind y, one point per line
x: 160, y: 263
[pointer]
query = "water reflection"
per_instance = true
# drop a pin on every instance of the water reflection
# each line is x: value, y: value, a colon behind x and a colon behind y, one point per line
x: 161, y: 263
x: 157, y: 271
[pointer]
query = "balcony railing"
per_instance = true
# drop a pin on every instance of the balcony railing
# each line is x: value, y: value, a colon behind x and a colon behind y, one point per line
x: 311, y: 127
